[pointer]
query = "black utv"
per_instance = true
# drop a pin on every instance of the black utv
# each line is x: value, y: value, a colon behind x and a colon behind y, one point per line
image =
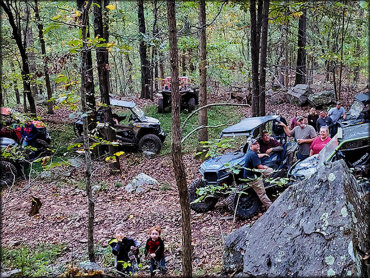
x: 222, y: 176
x: 132, y: 127
x: 189, y: 95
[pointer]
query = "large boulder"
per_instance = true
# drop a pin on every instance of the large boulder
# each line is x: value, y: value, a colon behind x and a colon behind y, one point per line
x: 315, y: 228
x: 141, y: 183
x: 298, y: 94
x: 322, y: 98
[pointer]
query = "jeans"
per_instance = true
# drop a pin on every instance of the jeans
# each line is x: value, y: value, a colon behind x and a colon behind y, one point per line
x: 301, y: 156
x: 154, y: 264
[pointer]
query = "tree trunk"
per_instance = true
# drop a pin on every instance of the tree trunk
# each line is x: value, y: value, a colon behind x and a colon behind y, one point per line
x: 145, y: 82
x: 101, y: 30
x: 263, y: 56
x: 255, y: 58
x: 177, y: 161
x: 15, y: 84
x: 300, y: 77
x: 17, y: 35
x: 203, y: 116
x: 45, y: 60
x: 85, y: 86
x: 30, y: 49
x: 341, y: 56
x: 89, y: 81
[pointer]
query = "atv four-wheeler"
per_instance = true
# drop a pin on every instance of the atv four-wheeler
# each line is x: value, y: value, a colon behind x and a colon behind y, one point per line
x: 134, y: 129
x: 226, y: 171
x: 189, y: 95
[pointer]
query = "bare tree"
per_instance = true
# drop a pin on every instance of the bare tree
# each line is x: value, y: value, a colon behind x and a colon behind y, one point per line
x: 44, y: 58
x: 300, y: 77
x: 177, y: 160
x: 145, y: 73
x: 83, y: 22
x: 11, y: 8
x: 203, y: 116
x: 101, y: 28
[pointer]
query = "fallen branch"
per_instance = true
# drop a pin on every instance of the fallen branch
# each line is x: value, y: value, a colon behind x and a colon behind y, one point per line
x: 210, y: 105
x: 196, y: 129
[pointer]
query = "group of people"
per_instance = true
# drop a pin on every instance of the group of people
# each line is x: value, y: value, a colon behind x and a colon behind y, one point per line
x: 308, y: 144
x: 126, y: 251
x: 305, y: 131
x: 28, y: 133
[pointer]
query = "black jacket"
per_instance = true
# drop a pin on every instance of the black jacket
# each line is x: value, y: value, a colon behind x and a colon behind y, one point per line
x: 121, y: 249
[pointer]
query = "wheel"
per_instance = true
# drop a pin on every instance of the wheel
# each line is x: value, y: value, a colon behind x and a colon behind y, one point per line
x: 8, y: 173
x: 191, y: 104
x: 248, y: 205
x: 77, y: 128
x: 41, y: 144
x: 150, y: 143
x: 204, y: 205
x: 160, y: 106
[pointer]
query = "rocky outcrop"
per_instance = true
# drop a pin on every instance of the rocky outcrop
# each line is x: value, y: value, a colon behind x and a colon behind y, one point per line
x: 315, y: 228
x: 322, y: 98
x: 298, y: 94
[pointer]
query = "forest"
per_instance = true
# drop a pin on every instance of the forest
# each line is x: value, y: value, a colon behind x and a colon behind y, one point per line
x: 124, y: 103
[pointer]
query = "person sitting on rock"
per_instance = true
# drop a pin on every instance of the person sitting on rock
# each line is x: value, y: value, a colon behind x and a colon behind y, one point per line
x: 121, y: 249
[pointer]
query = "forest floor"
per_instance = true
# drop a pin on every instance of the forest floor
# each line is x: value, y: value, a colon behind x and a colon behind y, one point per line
x: 63, y: 216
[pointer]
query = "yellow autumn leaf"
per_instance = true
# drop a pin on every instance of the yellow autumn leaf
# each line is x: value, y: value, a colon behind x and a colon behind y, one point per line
x: 297, y: 14
x: 119, y: 153
x: 110, y: 7
x: 107, y: 159
x: 56, y: 17
x: 77, y: 13
x: 110, y: 44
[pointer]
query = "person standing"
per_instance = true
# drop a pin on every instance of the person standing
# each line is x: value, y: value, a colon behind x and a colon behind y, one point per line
x: 323, y: 120
x: 320, y: 142
x: 335, y: 114
x: 312, y: 118
x: 293, y: 121
x: 304, y: 134
x: 155, y: 248
x: 253, y: 171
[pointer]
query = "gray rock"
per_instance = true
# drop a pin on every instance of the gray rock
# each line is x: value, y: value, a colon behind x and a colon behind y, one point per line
x: 298, y: 94
x: 45, y: 174
x: 322, y: 98
x: 278, y: 98
x: 86, y: 265
x: 141, y: 183
x: 76, y: 162
x: 11, y: 273
x: 315, y: 228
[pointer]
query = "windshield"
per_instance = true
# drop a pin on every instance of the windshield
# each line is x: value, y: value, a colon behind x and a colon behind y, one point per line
x: 356, y: 109
x: 326, y: 152
x: 139, y: 113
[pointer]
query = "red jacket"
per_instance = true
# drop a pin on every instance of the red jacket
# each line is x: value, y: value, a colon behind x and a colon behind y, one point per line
x: 156, y: 247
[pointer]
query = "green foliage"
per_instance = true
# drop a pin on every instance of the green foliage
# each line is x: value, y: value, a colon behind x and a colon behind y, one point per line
x: 216, y: 116
x: 35, y: 262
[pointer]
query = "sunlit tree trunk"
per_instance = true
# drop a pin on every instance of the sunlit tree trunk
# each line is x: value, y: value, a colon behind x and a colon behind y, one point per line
x: 177, y: 160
